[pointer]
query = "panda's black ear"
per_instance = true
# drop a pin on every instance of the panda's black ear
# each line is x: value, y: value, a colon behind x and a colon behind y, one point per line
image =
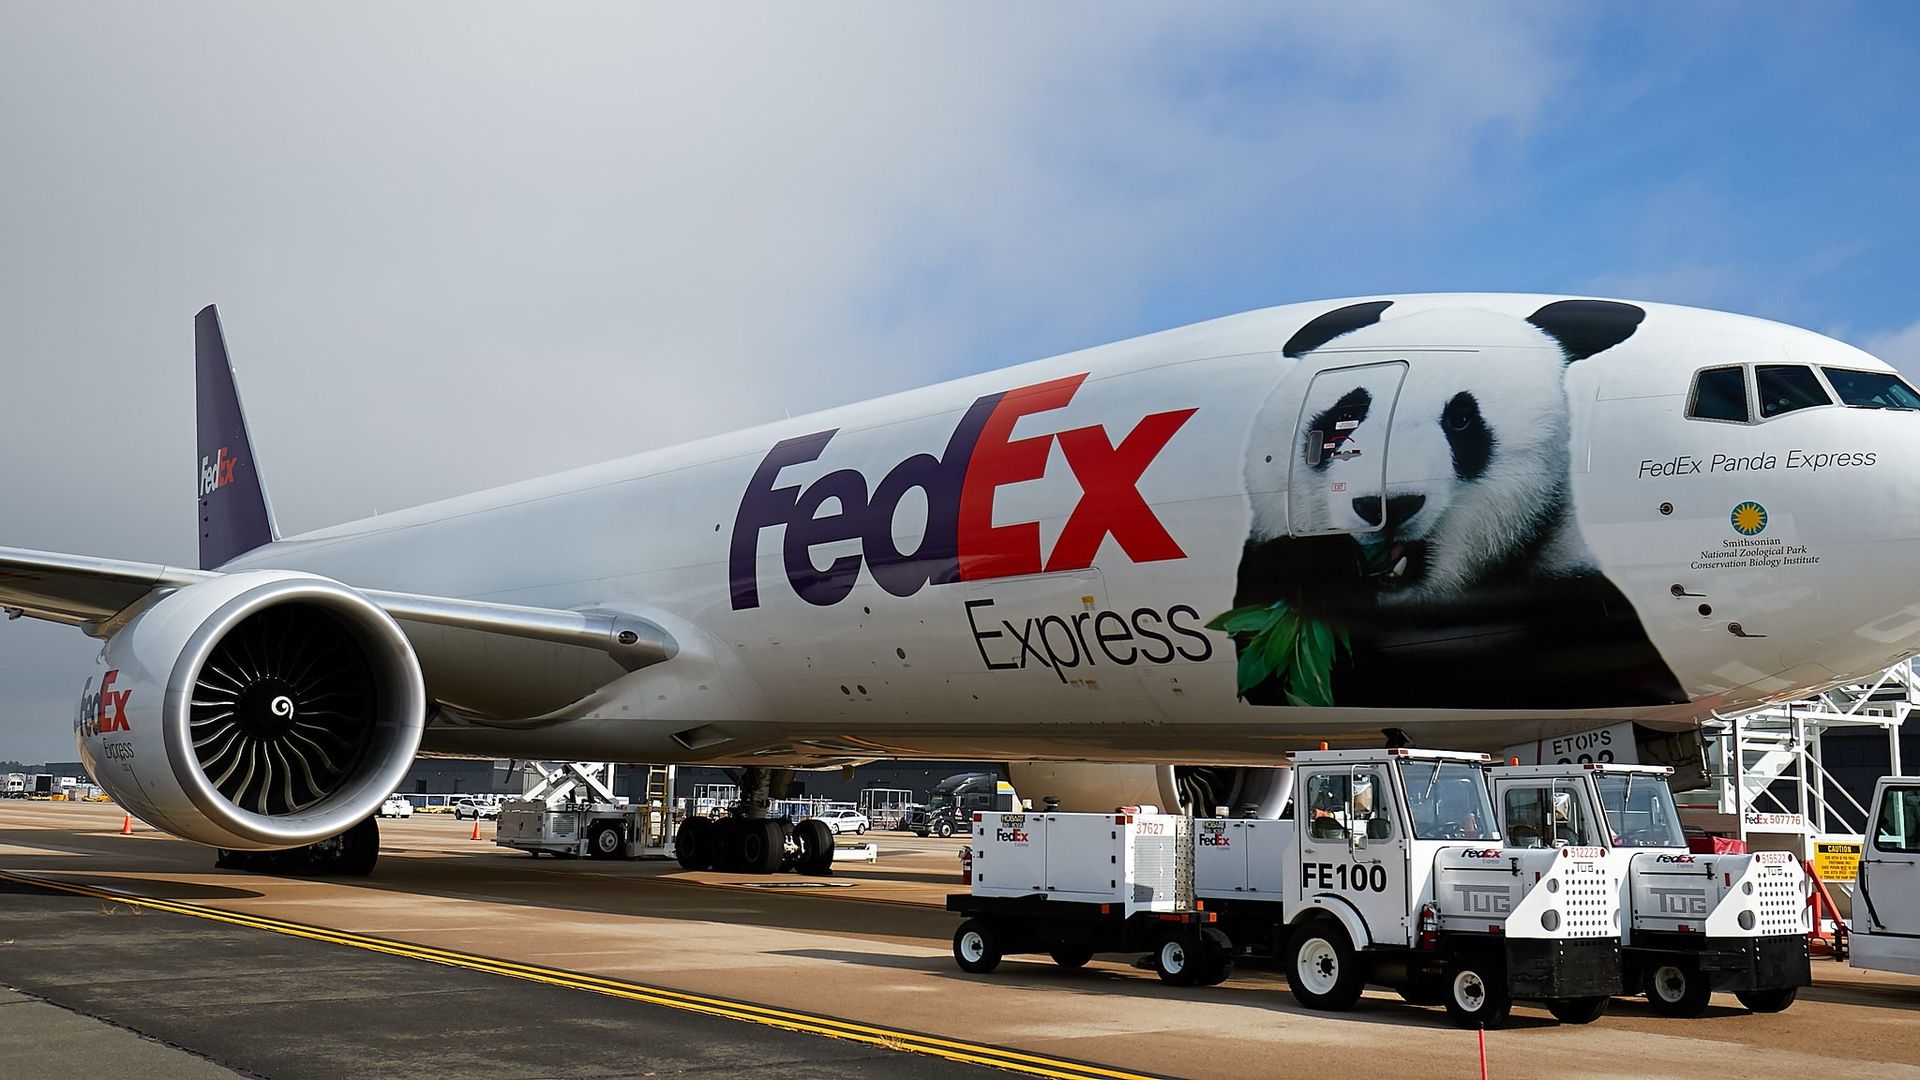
x: 1334, y: 323
x: 1585, y: 327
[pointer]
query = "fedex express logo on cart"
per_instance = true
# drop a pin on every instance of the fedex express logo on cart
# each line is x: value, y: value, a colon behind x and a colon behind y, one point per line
x: 961, y: 542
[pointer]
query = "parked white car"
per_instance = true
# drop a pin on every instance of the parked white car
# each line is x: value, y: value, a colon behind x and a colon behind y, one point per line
x: 478, y: 810
x: 844, y: 820
x: 397, y: 807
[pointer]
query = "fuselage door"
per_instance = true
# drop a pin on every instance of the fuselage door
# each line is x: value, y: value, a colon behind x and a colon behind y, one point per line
x: 1337, y: 483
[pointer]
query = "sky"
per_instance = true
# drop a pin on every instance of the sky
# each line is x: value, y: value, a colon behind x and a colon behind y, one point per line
x: 458, y: 245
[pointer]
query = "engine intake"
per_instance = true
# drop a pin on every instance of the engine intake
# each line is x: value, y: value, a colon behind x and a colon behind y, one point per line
x: 260, y: 710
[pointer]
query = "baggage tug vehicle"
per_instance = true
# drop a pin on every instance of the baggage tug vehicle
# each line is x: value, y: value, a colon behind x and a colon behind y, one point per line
x: 1391, y: 871
x: 1694, y: 923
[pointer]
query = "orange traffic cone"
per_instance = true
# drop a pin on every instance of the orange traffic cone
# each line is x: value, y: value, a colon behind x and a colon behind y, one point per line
x: 126, y: 825
x: 476, y: 828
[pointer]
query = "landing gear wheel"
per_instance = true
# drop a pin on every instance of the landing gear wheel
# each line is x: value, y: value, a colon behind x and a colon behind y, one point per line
x: 815, y: 840
x: 606, y: 841
x: 1071, y: 956
x: 727, y: 835
x: 1678, y: 990
x: 1216, y: 957
x: 1322, y: 969
x: 1767, y: 1001
x: 1477, y: 993
x: 943, y: 829
x: 359, y: 850
x: 976, y: 947
x: 763, y: 846
x: 1580, y: 1010
x: 693, y: 845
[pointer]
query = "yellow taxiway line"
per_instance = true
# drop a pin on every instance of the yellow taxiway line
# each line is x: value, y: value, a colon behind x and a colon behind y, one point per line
x: 891, y: 1038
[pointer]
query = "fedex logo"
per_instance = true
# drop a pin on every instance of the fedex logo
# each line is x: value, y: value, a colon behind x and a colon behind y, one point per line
x: 1013, y: 835
x: 217, y: 473
x: 102, y: 713
x: 961, y: 542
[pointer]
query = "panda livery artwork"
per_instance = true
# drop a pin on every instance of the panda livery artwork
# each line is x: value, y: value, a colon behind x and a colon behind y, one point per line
x: 1428, y: 553
x: 1138, y: 573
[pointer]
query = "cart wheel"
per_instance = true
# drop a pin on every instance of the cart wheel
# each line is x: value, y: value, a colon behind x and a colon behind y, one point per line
x: 943, y: 830
x: 1677, y: 990
x: 976, y: 947
x: 693, y: 844
x: 1216, y: 957
x: 1322, y: 969
x: 1477, y: 993
x: 1179, y: 958
x: 1767, y: 1001
x: 815, y: 840
x: 1580, y: 1010
x: 605, y: 841
x: 1071, y: 956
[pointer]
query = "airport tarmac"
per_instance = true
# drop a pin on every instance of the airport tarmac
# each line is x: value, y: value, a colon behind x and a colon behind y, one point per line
x: 460, y: 958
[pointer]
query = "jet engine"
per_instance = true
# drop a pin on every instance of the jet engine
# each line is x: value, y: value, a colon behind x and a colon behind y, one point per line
x: 1245, y: 790
x: 255, y: 711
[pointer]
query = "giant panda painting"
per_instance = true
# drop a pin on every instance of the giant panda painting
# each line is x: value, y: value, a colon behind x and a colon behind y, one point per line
x: 1462, y: 581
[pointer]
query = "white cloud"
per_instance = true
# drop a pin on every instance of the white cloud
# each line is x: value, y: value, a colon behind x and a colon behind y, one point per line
x: 457, y: 245
x: 1901, y: 348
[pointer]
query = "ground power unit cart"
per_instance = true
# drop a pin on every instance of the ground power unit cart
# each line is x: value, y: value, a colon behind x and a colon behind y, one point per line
x: 1072, y: 885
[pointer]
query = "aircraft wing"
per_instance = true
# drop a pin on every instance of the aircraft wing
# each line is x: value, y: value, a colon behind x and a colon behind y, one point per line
x: 78, y: 590
x: 100, y: 595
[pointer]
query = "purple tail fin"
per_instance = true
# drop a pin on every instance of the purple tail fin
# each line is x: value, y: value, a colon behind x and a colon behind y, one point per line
x: 234, y: 515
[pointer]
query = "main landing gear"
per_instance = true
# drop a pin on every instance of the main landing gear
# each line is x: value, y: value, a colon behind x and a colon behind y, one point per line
x: 744, y: 845
x: 750, y: 842
x: 351, y: 854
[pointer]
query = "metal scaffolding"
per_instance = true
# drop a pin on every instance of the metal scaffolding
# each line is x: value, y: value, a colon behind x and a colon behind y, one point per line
x: 1751, y: 757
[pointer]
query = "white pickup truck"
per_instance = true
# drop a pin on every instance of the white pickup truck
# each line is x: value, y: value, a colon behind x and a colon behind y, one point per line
x: 1886, y: 902
x: 1694, y: 923
x: 1392, y: 871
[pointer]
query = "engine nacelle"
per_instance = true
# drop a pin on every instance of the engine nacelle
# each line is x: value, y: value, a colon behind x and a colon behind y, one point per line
x: 1087, y: 787
x: 260, y: 710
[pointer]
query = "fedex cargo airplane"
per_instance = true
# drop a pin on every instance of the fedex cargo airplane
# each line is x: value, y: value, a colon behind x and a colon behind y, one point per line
x: 1146, y: 570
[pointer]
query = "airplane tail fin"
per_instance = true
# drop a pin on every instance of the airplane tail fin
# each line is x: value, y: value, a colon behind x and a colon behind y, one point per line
x: 235, y: 517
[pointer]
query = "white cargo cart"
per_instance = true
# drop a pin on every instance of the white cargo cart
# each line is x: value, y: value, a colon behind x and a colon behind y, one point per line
x: 1391, y: 871
x: 1692, y: 923
x: 1073, y: 885
x: 598, y: 830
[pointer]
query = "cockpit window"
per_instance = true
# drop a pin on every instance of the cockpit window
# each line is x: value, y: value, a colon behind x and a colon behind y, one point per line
x: 1872, y: 389
x: 1720, y: 394
x: 1786, y: 387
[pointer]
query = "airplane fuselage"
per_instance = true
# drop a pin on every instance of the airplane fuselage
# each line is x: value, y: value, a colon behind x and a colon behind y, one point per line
x: 1491, y: 513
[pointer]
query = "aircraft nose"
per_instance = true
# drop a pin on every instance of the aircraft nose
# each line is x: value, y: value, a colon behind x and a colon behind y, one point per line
x: 1400, y: 509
